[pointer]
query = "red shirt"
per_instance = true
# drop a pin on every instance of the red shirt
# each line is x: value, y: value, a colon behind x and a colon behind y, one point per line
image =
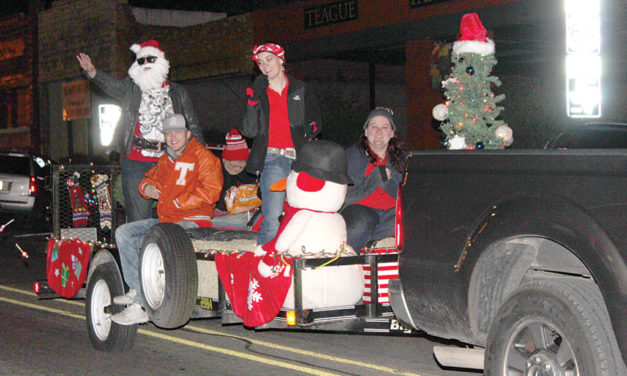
x: 136, y: 153
x: 379, y: 199
x: 279, y: 133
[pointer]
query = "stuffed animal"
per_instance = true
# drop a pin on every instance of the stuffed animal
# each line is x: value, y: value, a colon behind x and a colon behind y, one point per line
x: 316, y: 189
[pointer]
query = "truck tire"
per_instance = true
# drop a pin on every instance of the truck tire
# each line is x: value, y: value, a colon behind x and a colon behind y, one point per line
x: 553, y: 327
x: 104, y: 334
x: 168, y: 275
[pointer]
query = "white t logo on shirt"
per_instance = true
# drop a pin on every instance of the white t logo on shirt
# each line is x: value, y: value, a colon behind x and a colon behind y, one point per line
x: 183, y: 167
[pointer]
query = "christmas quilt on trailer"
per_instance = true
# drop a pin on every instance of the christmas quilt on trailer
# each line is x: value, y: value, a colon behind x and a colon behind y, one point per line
x: 66, y: 266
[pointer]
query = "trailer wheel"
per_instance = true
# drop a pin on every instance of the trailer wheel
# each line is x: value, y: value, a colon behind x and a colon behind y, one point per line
x: 553, y: 327
x: 104, y: 334
x: 168, y: 275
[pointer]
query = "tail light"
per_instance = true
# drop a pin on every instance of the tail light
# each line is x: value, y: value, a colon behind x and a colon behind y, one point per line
x: 32, y: 186
x: 36, y: 287
x: 398, y: 226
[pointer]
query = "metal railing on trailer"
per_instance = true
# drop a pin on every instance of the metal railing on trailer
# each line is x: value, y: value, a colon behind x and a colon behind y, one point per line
x: 370, y: 316
x: 91, y: 229
x: 62, y: 216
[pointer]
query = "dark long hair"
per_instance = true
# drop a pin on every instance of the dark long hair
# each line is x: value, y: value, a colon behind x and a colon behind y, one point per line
x: 397, y: 151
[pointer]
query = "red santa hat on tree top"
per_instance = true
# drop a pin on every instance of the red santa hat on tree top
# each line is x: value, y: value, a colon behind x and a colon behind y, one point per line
x: 473, y: 37
x: 148, y: 48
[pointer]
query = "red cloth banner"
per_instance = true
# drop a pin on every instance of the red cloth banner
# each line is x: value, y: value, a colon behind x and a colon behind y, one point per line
x: 66, y: 265
x: 255, y: 298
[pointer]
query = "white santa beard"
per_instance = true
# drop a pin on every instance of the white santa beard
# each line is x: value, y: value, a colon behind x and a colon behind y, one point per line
x: 152, y: 78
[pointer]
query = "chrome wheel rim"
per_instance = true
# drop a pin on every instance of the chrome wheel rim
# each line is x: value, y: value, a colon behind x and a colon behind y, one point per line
x: 537, y: 348
x: 100, y: 321
x: 153, y: 276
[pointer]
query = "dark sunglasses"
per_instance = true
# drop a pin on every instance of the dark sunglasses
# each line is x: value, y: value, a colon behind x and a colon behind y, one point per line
x: 149, y: 59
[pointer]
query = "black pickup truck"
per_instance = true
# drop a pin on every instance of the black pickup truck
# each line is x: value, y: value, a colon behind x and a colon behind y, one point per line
x: 520, y: 253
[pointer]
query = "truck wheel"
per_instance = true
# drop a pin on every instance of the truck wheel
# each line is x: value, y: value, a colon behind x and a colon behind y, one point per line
x: 168, y: 275
x: 553, y: 327
x: 104, y: 334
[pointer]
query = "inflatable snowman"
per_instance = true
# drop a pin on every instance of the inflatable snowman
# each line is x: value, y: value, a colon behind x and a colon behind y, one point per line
x: 311, y: 227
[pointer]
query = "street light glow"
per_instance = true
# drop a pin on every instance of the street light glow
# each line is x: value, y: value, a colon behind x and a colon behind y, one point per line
x: 108, y: 116
x: 583, y: 60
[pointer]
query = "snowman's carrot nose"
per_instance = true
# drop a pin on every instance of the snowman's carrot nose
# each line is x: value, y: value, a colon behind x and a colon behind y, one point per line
x: 279, y: 186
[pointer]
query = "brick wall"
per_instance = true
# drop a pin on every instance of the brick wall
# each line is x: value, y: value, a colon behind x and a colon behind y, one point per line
x: 16, y: 90
x: 105, y: 29
x: 213, y: 49
x: 96, y: 27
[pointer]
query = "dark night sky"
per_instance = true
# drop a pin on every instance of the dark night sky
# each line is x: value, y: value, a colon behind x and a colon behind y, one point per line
x: 231, y: 7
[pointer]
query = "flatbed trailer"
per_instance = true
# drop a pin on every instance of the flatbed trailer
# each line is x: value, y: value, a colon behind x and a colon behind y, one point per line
x: 371, y: 315
x: 196, y: 291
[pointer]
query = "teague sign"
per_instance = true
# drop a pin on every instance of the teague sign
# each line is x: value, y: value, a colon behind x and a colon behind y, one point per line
x: 332, y: 13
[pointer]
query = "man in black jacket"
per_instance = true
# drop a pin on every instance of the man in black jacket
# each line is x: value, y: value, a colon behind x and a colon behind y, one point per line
x: 146, y: 98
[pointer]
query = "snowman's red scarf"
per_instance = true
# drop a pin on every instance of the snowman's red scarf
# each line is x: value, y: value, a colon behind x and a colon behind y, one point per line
x: 255, y: 298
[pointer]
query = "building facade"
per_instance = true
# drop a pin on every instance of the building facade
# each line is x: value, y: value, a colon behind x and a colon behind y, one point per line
x: 356, y: 54
x: 19, y: 117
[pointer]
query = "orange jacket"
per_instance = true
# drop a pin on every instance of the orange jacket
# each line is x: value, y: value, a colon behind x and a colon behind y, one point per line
x: 190, y: 186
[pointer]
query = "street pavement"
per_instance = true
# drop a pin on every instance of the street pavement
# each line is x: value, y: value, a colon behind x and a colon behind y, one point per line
x: 35, y: 332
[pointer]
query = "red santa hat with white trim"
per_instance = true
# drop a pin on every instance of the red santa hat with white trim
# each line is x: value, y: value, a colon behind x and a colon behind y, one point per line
x: 473, y: 37
x: 148, y: 48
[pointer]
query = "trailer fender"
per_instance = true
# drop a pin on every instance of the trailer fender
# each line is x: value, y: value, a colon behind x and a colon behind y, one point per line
x: 102, y: 256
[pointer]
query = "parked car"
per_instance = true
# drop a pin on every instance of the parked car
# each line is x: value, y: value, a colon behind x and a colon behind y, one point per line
x: 23, y: 188
x: 592, y: 136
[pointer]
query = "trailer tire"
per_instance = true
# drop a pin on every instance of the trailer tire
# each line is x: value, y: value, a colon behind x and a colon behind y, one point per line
x: 553, y: 324
x: 104, y: 334
x: 168, y: 275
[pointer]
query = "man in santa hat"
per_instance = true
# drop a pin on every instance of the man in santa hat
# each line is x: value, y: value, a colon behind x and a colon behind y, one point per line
x: 146, y: 97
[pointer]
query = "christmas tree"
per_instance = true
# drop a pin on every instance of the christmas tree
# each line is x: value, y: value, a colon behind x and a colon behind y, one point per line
x: 469, y: 115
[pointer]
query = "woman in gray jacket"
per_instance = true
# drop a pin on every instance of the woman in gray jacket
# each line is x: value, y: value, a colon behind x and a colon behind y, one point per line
x: 375, y: 165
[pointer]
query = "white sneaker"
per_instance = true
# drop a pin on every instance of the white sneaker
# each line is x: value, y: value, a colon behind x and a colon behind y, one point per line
x: 133, y: 314
x: 125, y: 299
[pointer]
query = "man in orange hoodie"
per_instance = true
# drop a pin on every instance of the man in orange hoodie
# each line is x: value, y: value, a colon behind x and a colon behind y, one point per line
x: 187, y: 182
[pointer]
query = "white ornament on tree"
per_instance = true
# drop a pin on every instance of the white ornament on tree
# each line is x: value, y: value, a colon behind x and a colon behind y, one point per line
x: 506, y: 134
x: 440, y: 112
x: 457, y: 143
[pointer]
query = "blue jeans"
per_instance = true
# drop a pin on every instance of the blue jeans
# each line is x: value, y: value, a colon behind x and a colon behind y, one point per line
x: 129, y: 239
x: 275, y: 168
x: 232, y: 221
x: 133, y: 172
x: 364, y: 224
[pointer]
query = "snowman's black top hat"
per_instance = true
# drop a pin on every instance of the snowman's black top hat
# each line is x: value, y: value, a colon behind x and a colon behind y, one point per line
x: 324, y: 160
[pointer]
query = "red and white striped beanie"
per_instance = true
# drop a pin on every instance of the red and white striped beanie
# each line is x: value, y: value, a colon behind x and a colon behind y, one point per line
x: 236, y: 148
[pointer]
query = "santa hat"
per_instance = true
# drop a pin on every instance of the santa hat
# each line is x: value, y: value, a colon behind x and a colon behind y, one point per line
x: 148, y: 48
x: 273, y: 48
x: 473, y: 37
x: 236, y: 148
